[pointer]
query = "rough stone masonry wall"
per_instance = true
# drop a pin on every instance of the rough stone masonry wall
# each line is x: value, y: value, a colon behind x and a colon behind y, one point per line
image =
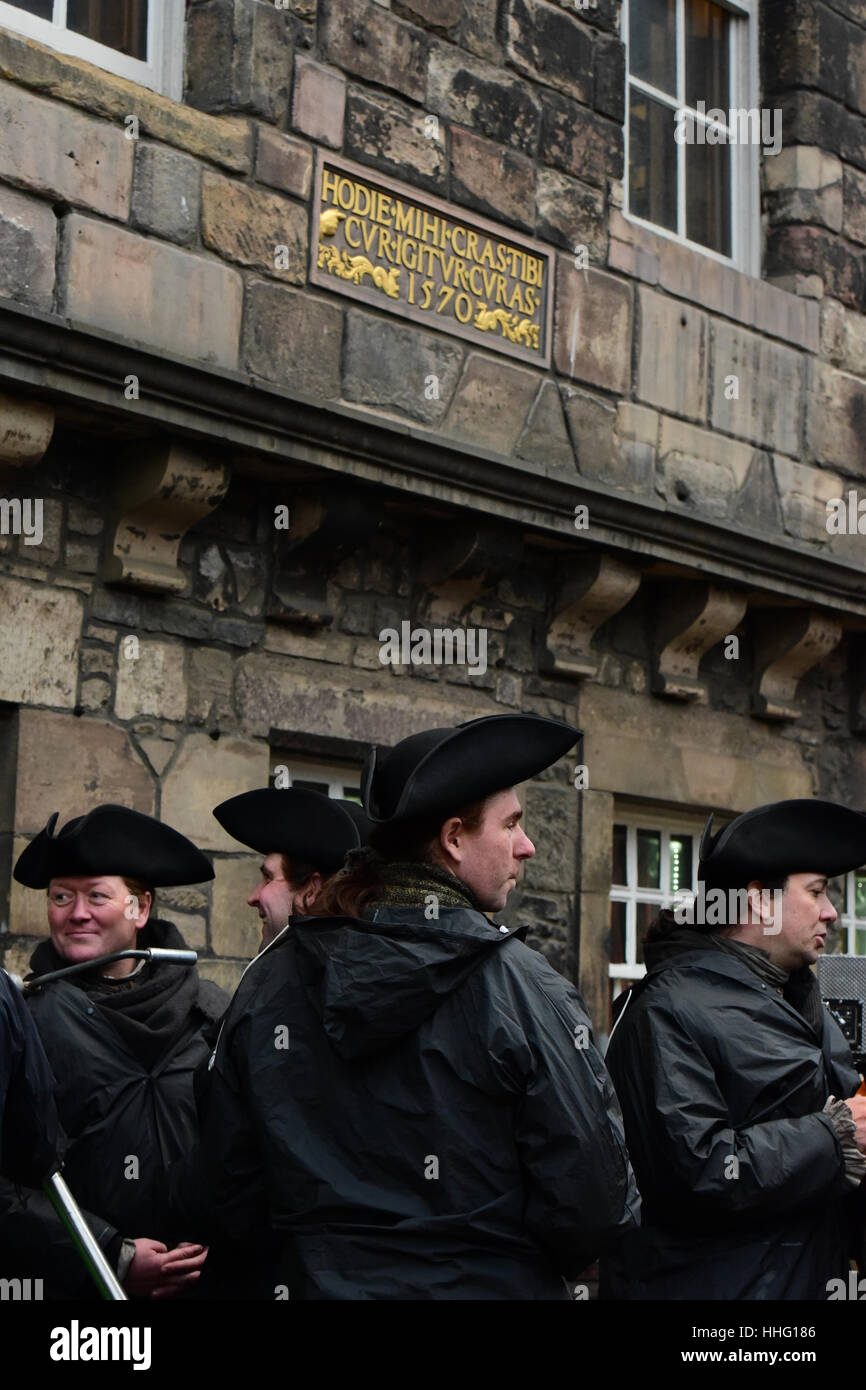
x: 174, y: 234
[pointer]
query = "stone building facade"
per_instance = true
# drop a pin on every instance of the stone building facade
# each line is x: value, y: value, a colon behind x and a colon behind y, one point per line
x: 249, y: 471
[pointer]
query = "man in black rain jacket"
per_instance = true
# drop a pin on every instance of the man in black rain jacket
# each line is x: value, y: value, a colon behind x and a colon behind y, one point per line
x: 123, y: 1042
x: 413, y: 1089
x: 733, y: 1077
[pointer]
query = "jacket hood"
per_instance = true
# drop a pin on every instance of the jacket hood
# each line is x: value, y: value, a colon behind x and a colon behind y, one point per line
x: 372, y: 982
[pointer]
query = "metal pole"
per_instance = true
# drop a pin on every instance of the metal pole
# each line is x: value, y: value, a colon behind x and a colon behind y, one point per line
x: 70, y: 1214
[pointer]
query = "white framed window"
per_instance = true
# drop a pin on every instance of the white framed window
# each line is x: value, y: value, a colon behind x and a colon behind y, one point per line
x: 655, y: 856
x: 686, y: 59
x: 331, y: 779
x: 138, y: 39
x: 852, y: 918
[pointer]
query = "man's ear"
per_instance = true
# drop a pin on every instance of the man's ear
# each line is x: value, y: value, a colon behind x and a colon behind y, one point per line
x: 450, y: 839
x: 145, y: 903
x: 760, y: 903
x: 312, y: 890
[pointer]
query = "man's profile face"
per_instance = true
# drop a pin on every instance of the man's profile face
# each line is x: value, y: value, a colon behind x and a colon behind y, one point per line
x: 94, y: 916
x: 492, y: 855
x: 806, y: 914
x: 276, y: 898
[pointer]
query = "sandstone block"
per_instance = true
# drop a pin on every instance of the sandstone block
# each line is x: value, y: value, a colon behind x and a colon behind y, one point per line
x: 496, y: 181
x: 283, y: 162
x: 478, y: 31
x: 209, y: 687
x: 674, y: 379
x: 158, y: 294
x: 491, y: 404
x: 48, y: 551
x: 367, y: 40
x: 492, y: 102
x: 571, y: 214
x: 804, y: 184
x: 545, y: 441
x: 319, y: 102
x: 28, y: 239
x: 609, y: 446
x: 239, y: 57
x: 152, y: 682
x: 53, y: 150
x: 72, y: 80
x: 71, y: 765
x: 166, y: 194
x: 592, y: 326
x: 438, y: 14
x: 835, y: 411
x: 385, y: 133
x: 699, y: 469
x: 399, y: 368
x: 843, y: 337
x: 804, y: 493
x: 191, y: 925
x: 205, y: 772
x: 225, y: 973
x: 580, y: 141
x: 235, y: 928
x: 854, y: 204
x: 609, y: 66
x: 317, y: 645
x: 248, y: 225
x: 551, y: 46
x: 769, y: 382
x: 818, y: 251
x: 294, y: 339
x: 27, y: 913
x: 38, y: 643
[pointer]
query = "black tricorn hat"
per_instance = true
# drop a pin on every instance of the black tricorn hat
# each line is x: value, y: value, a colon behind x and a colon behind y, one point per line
x: 784, y: 837
x: 112, y: 840
x: 302, y: 824
x: 439, y: 770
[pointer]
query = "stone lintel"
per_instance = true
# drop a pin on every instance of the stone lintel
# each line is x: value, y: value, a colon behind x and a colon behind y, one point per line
x: 594, y: 589
x: 788, y: 644
x: 692, y: 618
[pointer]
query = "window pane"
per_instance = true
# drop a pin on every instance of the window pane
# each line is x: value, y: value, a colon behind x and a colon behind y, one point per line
x: 681, y: 862
x: 708, y: 196
x: 649, y: 847
x: 652, y: 162
x: 120, y: 24
x: 620, y: 870
x: 860, y: 895
x: 860, y: 941
x: 42, y: 9
x: 617, y: 933
x: 652, y: 43
x: 707, y: 49
x: 646, y: 915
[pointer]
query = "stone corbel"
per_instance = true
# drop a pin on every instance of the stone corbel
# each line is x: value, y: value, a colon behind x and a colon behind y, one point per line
x: 26, y: 428
x: 596, y: 588
x: 691, y: 619
x: 463, y: 558
x: 787, y: 645
x: 165, y: 489
x: 323, y: 528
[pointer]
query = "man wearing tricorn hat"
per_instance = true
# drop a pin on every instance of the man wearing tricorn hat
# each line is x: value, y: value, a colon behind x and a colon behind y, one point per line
x: 304, y: 837
x: 122, y: 1038
x: 414, y: 1089
x: 736, y: 1084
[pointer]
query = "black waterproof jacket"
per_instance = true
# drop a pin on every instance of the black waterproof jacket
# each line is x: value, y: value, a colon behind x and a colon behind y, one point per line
x: 31, y: 1140
x: 422, y: 1108
x: 125, y: 1122
x: 722, y: 1084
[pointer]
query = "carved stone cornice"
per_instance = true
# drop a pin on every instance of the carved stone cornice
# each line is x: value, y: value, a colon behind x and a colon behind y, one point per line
x: 165, y: 489
x: 692, y: 618
x: 596, y: 587
x: 787, y: 645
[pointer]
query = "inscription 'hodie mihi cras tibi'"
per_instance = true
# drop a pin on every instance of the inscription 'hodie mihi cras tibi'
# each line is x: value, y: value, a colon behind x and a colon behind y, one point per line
x: 379, y: 241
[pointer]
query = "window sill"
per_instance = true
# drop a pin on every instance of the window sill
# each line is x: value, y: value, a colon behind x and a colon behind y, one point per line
x: 658, y: 260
